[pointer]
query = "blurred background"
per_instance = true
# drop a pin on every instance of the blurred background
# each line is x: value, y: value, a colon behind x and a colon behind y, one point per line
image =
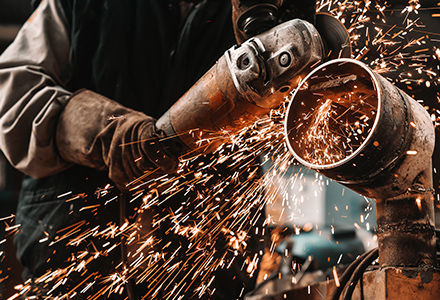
x: 13, y: 13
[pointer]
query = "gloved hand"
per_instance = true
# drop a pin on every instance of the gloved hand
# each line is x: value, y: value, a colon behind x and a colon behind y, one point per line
x: 285, y: 10
x: 97, y: 132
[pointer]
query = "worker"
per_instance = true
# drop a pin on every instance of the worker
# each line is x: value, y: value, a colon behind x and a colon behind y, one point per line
x: 81, y: 82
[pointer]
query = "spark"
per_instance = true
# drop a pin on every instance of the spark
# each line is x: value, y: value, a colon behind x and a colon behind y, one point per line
x: 336, y: 277
x: 7, y: 218
x: 419, y: 203
x: 334, y: 128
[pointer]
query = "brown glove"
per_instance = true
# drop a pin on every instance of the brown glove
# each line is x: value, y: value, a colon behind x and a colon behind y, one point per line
x: 97, y: 132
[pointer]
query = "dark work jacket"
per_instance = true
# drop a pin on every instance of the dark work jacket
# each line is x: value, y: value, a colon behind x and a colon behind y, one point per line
x: 143, y: 55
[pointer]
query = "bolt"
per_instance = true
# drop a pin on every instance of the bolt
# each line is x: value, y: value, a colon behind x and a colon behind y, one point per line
x: 244, y: 62
x: 285, y: 59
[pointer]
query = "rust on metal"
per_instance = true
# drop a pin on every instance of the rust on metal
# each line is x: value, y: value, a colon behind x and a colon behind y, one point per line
x: 380, y: 284
x: 406, y: 232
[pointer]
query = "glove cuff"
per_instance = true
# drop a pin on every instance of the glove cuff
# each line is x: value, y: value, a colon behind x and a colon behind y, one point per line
x: 100, y: 133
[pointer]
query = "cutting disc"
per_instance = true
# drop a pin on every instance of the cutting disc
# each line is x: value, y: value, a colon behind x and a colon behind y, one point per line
x: 334, y: 35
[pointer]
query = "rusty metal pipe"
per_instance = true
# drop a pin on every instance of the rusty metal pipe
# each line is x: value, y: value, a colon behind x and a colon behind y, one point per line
x: 376, y: 140
x: 405, y: 230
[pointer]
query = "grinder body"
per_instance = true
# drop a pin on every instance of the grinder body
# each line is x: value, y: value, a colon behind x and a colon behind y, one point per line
x: 244, y: 84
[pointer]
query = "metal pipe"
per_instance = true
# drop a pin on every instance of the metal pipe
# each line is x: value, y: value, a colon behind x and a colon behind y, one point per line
x: 352, y: 125
x: 405, y: 231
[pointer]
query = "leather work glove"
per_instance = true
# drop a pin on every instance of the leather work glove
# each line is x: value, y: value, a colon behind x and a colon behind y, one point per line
x: 284, y: 10
x: 97, y: 132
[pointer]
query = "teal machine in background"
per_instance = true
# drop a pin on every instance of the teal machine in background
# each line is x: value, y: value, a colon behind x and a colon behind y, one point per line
x: 325, y: 221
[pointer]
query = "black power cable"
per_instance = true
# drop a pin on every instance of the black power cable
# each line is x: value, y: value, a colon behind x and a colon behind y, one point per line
x: 354, y: 268
x: 358, y: 272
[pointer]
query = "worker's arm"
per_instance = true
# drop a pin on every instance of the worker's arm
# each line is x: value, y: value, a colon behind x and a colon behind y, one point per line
x: 97, y: 132
x: 32, y: 72
x: 44, y: 128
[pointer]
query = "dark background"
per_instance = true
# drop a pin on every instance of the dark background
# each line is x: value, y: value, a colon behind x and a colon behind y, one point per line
x: 12, y: 14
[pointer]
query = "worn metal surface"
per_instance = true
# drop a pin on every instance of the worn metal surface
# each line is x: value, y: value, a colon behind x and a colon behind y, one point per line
x: 399, y: 284
x: 398, y: 148
x: 281, y: 55
x: 245, y: 83
x: 405, y: 230
x: 392, y: 164
x: 385, y: 284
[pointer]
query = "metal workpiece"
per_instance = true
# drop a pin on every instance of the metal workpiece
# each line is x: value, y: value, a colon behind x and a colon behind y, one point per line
x: 370, y: 136
x: 379, y: 284
x: 355, y: 127
x: 244, y: 84
x: 406, y: 226
x: 406, y: 232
